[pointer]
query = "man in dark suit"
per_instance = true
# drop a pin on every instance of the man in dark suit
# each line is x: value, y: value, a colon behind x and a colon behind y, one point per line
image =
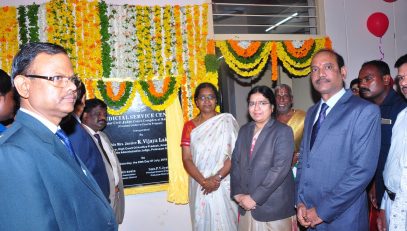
x: 44, y: 186
x: 83, y: 144
x: 94, y: 121
x: 339, y: 151
x: 376, y: 86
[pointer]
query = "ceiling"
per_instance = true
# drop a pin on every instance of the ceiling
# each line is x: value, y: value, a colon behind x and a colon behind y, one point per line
x: 254, y: 17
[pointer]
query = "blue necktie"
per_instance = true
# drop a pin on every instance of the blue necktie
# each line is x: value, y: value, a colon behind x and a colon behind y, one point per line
x: 318, y: 123
x: 65, y: 140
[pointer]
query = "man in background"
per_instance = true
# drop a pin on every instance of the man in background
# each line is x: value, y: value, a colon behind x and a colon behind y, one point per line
x: 395, y: 171
x: 375, y: 86
x: 44, y: 186
x: 94, y: 120
x: 83, y: 144
x: 292, y: 117
x: 7, y: 102
x: 354, y: 86
x: 339, y: 151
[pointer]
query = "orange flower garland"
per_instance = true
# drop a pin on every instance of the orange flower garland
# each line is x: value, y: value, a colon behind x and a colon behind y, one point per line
x: 248, y: 52
x: 8, y: 36
x: 210, y: 48
x: 119, y: 94
x: 153, y: 91
x: 299, y: 52
x: 274, y: 63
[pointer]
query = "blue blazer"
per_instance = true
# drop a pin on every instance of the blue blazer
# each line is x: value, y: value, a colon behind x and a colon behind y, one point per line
x: 88, y: 152
x: 42, y: 187
x: 333, y: 176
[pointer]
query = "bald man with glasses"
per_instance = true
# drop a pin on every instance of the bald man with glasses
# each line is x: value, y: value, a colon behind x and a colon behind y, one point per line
x: 44, y: 185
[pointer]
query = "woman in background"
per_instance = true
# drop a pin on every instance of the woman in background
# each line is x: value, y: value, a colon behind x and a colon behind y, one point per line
x: 261, y: 176
x: 207, y: 144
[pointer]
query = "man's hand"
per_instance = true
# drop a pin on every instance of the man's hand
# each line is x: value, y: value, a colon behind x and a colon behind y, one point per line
x: 302, y: 215
x: 247, y: 203
x: 381, y: 220
x: 372, y: 196
x: 313, y: 217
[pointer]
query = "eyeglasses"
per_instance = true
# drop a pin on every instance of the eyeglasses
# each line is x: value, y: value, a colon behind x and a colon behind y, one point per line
x: 258, y: 103
x: 207, y: 97
x: 59, y: 81
x: 400, y: 77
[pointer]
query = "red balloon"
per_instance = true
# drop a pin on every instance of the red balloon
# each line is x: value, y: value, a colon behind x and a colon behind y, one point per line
x: 377, y: 24
x: 390, y: 0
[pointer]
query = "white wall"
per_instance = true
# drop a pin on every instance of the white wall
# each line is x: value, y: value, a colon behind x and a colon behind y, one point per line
x: 345, y: 22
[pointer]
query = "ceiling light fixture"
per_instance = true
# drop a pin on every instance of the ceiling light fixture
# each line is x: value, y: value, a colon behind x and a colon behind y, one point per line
x: 282, y: 21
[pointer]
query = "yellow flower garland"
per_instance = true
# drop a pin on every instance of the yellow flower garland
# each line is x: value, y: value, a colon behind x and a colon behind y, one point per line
x: 88, y: 40
x: 299, y: 69
x: 243, y: 69
x: 229, y: 58
x: 110, y: 110
x: 157, y: 49
x: 167, y: 41
x: 163, y: 106
x: 8, y: 37
x: 60, y: 28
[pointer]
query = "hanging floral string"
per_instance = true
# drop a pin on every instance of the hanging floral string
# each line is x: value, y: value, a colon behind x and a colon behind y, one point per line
x: 105, y: 36
x: 8, y: 36
x: 60, y: 20
x: 88, y: 40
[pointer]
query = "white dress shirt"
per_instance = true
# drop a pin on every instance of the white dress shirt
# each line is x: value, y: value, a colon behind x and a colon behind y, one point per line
x: 108, y: 150
x: 395, y: 174
x: 330, y: 102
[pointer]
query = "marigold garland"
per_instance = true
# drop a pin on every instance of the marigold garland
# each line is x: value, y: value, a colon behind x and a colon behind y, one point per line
x: 248, y: 52
x: 60, y: 22
x: 274, y: 62
x: 254, y: 65
x: 155, y: 100
x: 8, y: 36
x: 119, y: 94
x: 299, y: 52
x: 88, y: 40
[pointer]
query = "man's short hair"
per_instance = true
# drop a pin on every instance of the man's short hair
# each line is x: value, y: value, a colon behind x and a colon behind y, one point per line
x: 339, y: 58
x: 354, y: 81
x: 5, y: 83
x: 400, y: 61
x: 380, y: 65
x: 92, y: 103
x: 28, y: 52
x: 290, y: 93
x: 80, y: 92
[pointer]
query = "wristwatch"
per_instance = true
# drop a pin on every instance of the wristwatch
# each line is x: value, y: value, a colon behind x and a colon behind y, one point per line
x: 220, y: 176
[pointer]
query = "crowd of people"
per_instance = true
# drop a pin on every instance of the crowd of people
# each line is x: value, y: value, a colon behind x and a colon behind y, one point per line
x: 342, y: 165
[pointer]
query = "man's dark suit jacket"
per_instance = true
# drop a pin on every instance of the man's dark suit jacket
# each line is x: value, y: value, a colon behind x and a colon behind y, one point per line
x: 267, y: 175
x: 42, y: 187
x: 88, y: 152
x: 332, y: 176
x: 389, y: 109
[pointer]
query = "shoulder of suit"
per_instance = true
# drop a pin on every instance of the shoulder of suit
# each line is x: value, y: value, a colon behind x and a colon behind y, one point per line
x: 15, y: 133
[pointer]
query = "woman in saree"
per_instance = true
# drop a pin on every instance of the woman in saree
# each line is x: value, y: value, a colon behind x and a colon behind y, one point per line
x: 207, y: 145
